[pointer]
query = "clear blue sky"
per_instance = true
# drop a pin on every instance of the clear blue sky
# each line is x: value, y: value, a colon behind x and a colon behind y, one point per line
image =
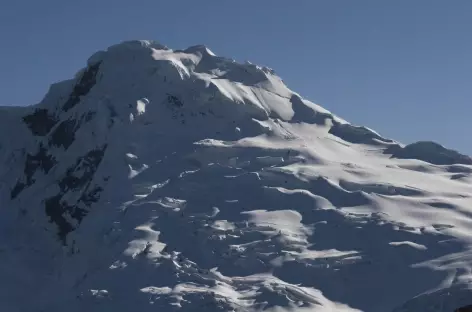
x: 401, y: 67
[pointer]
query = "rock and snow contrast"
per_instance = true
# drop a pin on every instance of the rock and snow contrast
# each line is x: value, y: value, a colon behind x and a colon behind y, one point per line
x: 178, y: 180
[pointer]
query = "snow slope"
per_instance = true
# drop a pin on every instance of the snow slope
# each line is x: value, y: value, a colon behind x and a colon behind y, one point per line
x: 162, y: 180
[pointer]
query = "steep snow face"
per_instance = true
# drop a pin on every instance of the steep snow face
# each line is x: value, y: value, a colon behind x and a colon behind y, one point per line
x: 183, y: 181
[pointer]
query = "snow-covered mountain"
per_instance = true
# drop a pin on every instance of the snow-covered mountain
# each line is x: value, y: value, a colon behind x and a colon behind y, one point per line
x: 170, y: 180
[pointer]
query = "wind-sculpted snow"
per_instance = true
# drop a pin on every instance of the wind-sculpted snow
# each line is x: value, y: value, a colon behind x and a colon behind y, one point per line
x: 161, y: 180
x: 430, y: 152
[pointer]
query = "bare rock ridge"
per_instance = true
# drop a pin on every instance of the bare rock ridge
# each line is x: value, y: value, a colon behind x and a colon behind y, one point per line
x: 179, y: 180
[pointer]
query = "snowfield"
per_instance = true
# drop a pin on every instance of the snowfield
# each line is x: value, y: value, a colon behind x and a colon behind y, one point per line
x: 178, y: 180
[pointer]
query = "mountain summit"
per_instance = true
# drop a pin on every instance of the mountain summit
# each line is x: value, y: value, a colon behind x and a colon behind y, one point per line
x: 178, y: 180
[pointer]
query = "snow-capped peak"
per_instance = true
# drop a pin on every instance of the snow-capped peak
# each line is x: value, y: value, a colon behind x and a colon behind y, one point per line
x: 201, y: 49
x: 160, y: 179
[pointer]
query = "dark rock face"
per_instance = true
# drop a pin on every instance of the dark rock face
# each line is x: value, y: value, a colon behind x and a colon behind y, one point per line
x: 464, y: 309
x: 85, y: 84
x: 64, y: 134
x: 78, y: 178
x: 40, y: 160
x: 174, y: 101
x: 429, y: 152
x: 40, y: 122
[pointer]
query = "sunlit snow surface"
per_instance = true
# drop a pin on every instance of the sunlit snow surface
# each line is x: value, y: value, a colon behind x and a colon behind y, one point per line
x: 219, y: 189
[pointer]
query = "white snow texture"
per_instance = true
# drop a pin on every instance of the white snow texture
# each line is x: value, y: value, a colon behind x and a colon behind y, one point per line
x: 178, y: 180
